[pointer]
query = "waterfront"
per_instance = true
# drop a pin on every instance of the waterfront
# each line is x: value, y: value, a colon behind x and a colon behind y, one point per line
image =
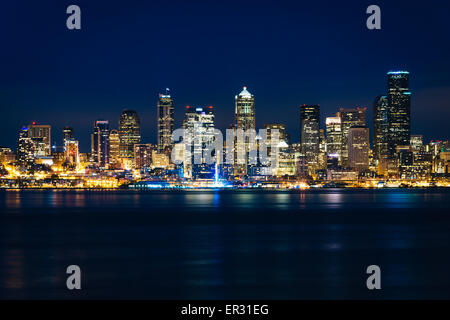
x: 225, y: 244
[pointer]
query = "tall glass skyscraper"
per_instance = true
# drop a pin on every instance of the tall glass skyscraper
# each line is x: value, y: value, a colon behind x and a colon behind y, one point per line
x: 199, y: 133
x: 310, y: 135
x: 41, y: 136
x: 354, y: 117
x: 129, y: 135
x: 244, y: 120
x: 380, y: 127
x: 399, y: 113
x: 100, y: 143
x: 165, y: 122
x: 334, y: 136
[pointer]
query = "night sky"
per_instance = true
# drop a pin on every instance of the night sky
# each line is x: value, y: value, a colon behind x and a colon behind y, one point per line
x: 286, y: 53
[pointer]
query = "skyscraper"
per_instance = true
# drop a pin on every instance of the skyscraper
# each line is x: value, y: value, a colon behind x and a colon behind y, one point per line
x: 25, y: 149
x: 143, y: 155
x: 165, y: 122
x: 334, y: 136
x: 41, y: 136
x: 310, y: 135
x: 354, y: 117
x: 100, y: 143
x: 199, y: 132
x: 399, y: 111
x: 114, y: 156
x: 358, y: 148
x: 129, y: 135
x: 67, y: 134
x: 380, y: 127
x: 245, y: 110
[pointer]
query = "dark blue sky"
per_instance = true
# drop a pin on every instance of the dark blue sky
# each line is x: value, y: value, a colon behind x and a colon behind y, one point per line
x: 287, y: 53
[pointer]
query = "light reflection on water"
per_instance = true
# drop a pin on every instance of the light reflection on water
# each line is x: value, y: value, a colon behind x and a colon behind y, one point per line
x: 291, y: 245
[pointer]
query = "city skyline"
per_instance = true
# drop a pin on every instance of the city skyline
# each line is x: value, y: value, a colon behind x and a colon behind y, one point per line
x: 367, y: 120
x: 294, y: 59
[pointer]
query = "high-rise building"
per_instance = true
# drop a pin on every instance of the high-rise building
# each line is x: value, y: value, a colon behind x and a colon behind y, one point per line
x: 67, y: 134
x: 244, y: 117
x: 129, y: 135
x: 380, y: 128
x: 245, y: 110
x: 334, y: 136
x: 25, y: 149
x: 358, y: 148
x: 416, y: 142
x: 100, y: 143
x: 114, y: 156
x: 399, y: 110
x: 165, y: 122
x: 310, y: 135
x: 71, y: 151
x: 143, y: 155
x: 354, y: 117
x: 199, y: 133
x: 41, y: 136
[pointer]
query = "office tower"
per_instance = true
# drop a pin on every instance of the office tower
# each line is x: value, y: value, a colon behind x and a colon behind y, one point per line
x: 310, y: 135
x: 380, y: 128
x: 100, y: 143
x: 416, y: 142
x: 67, y: 134
x: 271, y: 128
x: 143, y: 156
x: 350, y: 118
x: 399, y: 110
x: 6, y: 155
x: 71, y: 151
x: 114, y: 156
x: 358, y: 148
x: 244, y: 120
x: 165, y: 122
x: 199, y: 133
x: 334, y: 136
x: 25, y: 149
x: 129, y: 135
x: 245, y: 110
x: 322, y: 150
x: 41, y: 136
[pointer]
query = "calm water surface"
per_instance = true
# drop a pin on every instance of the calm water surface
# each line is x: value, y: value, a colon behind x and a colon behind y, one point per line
x: 225, y: 244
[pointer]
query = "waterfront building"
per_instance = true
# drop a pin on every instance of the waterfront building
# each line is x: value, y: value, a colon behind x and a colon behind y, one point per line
x: 166, y: 118
x: 380, y: 128
x: 129, y: 135
x: 41, y: 136
x: 358, y: 148
x: 143, y: 156
x: 100, y: 143
x: 399, y: 110
x: 350, y: 117
x: 334, y: 136
x: 244, y: 120
x: 310, y: 135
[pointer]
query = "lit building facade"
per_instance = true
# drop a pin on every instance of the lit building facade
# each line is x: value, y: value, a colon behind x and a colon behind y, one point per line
x: 380, y: 128
x: 310, y: 135
x: 25, y: 149
x: 399, y: 118
x: 351, y: 117
x: 199, y: 132
x: 358, y: 148
x: 165, y: 123
x: 143, y: 156
x: 41, y: 136
x: 114, y: 145
x: 334, y: 136
x: 100, y: 143
x: 129, y: 135
x: 245, y: 118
